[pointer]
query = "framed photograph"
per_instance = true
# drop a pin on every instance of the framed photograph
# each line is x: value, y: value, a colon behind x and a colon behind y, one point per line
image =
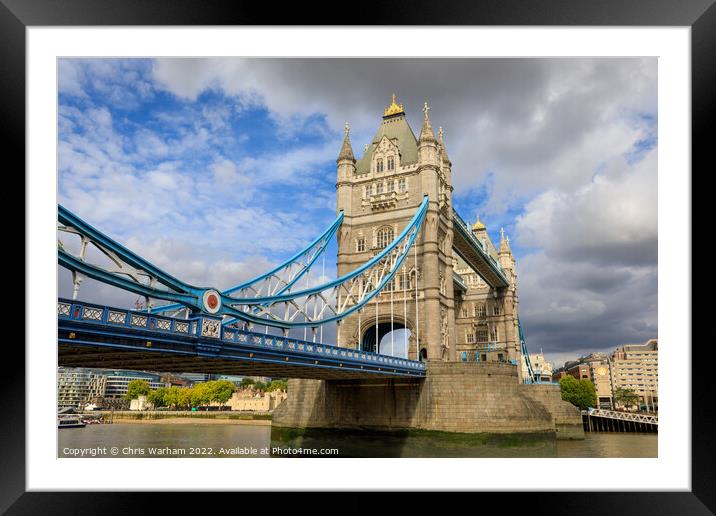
x: 439, y: 250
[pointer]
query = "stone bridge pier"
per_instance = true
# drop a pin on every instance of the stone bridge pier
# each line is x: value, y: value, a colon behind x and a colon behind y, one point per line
x: 464, y: 397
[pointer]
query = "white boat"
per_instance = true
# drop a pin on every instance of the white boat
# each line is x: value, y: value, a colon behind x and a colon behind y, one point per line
x: 70, y: 422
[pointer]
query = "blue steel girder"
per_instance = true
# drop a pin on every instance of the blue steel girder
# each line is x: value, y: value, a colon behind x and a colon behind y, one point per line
x: 281, y: 278
x: 90, y: 335
x: 523, y: 346
x: 339, y: 298
x: 128, y: 270
x: 311, y: 307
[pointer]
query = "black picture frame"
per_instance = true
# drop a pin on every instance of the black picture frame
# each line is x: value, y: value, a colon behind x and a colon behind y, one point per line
x: 17, y: 15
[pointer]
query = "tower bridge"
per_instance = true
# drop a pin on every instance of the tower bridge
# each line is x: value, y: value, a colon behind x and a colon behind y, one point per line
x: 406, y: 261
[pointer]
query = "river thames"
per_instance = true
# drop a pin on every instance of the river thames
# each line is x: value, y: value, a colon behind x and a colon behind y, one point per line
x: 206, y: 440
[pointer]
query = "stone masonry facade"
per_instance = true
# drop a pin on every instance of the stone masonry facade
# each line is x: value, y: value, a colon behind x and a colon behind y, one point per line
x: 379, y: 194
x: 478, y: 397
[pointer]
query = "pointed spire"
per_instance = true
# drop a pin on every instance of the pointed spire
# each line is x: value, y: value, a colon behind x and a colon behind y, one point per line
x: 478, y: 224
x: 426, y: 133
x: 346, y: 149
x: 442, y: 144
x: 394, y: 108
x: 504, y: 242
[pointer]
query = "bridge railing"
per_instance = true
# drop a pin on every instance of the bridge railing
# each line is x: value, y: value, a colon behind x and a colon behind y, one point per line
x: 457, y: 279
x: 119, y: 317
x: 211, y: 328
x: 315, y: 348
x: 473, y: 355
x: 624, y: 416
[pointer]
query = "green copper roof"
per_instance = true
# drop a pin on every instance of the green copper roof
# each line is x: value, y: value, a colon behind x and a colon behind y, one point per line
x: 397, y: 130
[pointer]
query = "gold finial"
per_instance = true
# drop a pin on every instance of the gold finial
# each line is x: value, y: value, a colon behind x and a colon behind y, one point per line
x: 394, y: 108
x: 478, y: 224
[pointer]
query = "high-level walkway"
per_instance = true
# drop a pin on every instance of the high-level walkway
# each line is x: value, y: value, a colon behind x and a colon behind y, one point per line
x: 476, y: 255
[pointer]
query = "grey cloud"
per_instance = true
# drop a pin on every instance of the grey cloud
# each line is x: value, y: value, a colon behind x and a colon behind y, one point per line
x: 535, y: 122
x: 552, y: 131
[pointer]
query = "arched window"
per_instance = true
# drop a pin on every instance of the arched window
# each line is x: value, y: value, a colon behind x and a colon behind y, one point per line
x: 391, y: 163
x: 385, y: 237
x: 379, y: 165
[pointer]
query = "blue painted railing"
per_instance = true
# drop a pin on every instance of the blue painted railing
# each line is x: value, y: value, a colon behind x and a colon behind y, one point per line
x: 207, y: 327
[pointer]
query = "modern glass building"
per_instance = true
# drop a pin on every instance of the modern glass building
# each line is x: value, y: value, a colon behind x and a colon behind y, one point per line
x: 76, y: 387
x: 117, y: 382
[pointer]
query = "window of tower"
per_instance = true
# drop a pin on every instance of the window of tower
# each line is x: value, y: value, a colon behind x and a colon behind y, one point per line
x: 369, y: 190
x: 481, y: 335
x: 385, y: 237
x: 361, y: 245
x: 379, y: 165
x: 401, y: 185
x: 379, y: 188
x: 480, y: 310
x: 391, y: 163
x: 391, y: 186
x: 404, y: 284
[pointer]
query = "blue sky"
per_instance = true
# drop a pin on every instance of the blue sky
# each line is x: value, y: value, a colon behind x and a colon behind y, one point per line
x: 215, y: 169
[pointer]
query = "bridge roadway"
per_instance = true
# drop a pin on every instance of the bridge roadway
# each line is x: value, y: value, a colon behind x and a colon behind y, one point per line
x: 98, y: 336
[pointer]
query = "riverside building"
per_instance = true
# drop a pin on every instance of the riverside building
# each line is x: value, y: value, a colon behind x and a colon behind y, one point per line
x: 636, y: 367
x: 77, y: 387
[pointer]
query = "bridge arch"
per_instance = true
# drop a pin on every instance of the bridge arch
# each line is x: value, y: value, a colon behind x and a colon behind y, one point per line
x: 403, y: 336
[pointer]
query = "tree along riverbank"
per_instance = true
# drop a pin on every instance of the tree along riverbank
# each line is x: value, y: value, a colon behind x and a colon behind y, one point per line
x: 182, y: 417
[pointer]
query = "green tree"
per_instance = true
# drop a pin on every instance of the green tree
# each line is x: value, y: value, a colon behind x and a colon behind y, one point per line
x: 184, y: 397
x: 200, y: 394
x: 246, y: 382
x: 589, y: 394
x: 158, y: 397
x: 278, y: 385
x: 626, y: 397
x: 220, y: 390
x: 173, y: 397
x: 137, y: 388
x: 260, y: 386
x: 580, y: 393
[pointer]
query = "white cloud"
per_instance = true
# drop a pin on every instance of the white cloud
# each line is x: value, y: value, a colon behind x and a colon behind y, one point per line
x: 554, y: 132
x: 594, y: 280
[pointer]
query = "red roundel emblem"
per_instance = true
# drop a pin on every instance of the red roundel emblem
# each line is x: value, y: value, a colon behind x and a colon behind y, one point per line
x: 212, y: 301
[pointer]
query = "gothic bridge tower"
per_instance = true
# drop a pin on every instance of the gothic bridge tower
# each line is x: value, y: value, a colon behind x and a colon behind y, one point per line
x: 379, y: 194
x: 486, y: 324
